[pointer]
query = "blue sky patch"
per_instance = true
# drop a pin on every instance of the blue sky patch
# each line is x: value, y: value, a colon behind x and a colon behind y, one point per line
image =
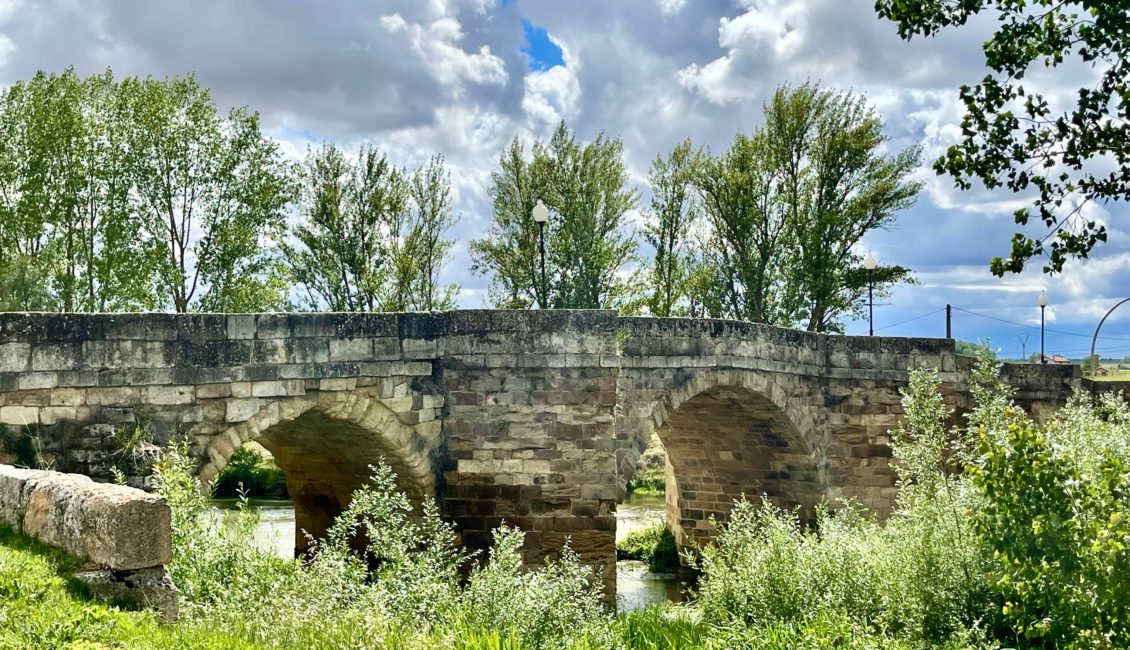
x: 544, y: 53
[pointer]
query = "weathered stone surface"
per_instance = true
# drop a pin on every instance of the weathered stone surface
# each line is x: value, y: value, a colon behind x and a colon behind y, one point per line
x: 112, y: 526
x: 536, y: 418
x: 151, y: 588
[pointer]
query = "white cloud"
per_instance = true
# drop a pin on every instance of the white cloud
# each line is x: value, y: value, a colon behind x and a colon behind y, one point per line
x: 437, y: 45
x: 449, y: 76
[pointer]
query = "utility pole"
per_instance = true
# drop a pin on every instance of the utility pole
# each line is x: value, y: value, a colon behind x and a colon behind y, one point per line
x: 1023, y: 345
x: 949, y: 321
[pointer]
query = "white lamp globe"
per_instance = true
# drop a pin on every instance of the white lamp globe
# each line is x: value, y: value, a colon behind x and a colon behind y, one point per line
x: 869, y: 262
x: 540, y: 212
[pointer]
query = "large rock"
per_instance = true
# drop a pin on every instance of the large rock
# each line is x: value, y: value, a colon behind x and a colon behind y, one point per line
x: 151, y: 588
x: 112, y: 526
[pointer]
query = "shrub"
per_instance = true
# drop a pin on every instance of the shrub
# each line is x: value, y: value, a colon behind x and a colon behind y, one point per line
x: 651, y: 471
x: 386, y: 574
x: 1054, y: 517
x: 917, y: 577
x: 251, y: 474
x: 654, y: 545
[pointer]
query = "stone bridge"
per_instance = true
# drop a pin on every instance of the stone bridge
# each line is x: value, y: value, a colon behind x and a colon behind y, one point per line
x: 535, y: 418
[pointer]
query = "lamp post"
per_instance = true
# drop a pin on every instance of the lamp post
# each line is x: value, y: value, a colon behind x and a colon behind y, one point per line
x: 540, y: 214
x: 1043, y: 305
x: 869, y: 263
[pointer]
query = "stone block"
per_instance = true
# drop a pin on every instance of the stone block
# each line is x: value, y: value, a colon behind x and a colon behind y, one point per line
x: 14, y: 357
x: 56, y: 356
x: 268, y: 389
x: 168, y: 395
x: 239, y: 410
x: 38, y: 380
x: 342, y: 383
x: 112, y: 526
x: 149, y: 588
x: 241, y: 326
x: 49, y: 415
x: 68, y: 397
x: 213, y: 391
x: 19, y: 415
x: 351, y: 350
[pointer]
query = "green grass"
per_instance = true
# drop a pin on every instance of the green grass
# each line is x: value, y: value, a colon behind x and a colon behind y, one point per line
x: 41, y: 606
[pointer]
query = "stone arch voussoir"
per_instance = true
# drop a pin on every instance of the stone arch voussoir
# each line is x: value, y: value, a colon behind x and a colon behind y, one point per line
x: 409, y: 448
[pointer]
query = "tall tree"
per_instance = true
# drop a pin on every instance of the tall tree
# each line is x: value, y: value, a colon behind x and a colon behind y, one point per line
x: 750, y: 236
x: 587, y: 246
x: 836, y: 187
x: 1013, y: 136
x: 788, y: 206
x: 372, y: 238
x: 347, y: 208
x: 212, y: 191
x: 65, y: 202
x: 425, y: 246
x: 117, y: 266
x: 668, y: 229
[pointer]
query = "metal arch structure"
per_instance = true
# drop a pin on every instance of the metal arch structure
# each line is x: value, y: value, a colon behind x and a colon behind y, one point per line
x: 1094, y: 340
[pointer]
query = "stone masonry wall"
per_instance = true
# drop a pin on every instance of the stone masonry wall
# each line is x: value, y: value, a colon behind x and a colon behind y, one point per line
x: 532, y: 418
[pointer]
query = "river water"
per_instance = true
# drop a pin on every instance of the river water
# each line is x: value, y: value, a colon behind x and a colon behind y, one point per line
x: 635, y: 586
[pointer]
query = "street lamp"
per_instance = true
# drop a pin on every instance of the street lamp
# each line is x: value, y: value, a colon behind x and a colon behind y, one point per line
x: 1043, y: 306
x: 870, y: 264
x: 540, y: 214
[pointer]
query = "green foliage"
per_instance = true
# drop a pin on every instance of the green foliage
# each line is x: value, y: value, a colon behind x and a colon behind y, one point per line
x: 584, y: 186
x: 249, y: 474
x: 970, y: 349
x: 372, y: 235
x: 212, y: 189
x: 650, y: 481
x: 917, y: 578
x: 654, y: 545
x: 651, y: 470
x: 668, y: 229
x: 135, y: 194
x: 1020, y: 139
x: 789, y: 203
x: 1054, y: 518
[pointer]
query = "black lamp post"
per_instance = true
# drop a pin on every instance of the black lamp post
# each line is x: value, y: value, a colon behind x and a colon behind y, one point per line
x: 1043, y: 306
x: 540, y: 214
x: 869, y: 263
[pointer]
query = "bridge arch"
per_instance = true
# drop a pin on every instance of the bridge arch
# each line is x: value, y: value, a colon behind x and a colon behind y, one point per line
x: 731, y: 432
x: 325, y: 443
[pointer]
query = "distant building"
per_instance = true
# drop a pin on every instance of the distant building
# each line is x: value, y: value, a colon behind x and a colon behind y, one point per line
x: 1055, y: 358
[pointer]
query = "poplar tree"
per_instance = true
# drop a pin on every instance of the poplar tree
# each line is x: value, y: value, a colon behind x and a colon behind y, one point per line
x: 587, y: 243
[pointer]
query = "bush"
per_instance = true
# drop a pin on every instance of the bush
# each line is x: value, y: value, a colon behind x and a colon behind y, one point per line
x: 918, y: 577
x: 1054, y: 517
x: 654, y: 545
x: 250, y: 474
x: 402, y: 588
x: 651, y: 471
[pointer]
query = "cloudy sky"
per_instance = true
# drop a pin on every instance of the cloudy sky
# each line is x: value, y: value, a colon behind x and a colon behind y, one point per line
x: 463, y: 77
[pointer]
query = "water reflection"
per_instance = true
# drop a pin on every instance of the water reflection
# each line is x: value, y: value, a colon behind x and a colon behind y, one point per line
x: 636, y: 586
